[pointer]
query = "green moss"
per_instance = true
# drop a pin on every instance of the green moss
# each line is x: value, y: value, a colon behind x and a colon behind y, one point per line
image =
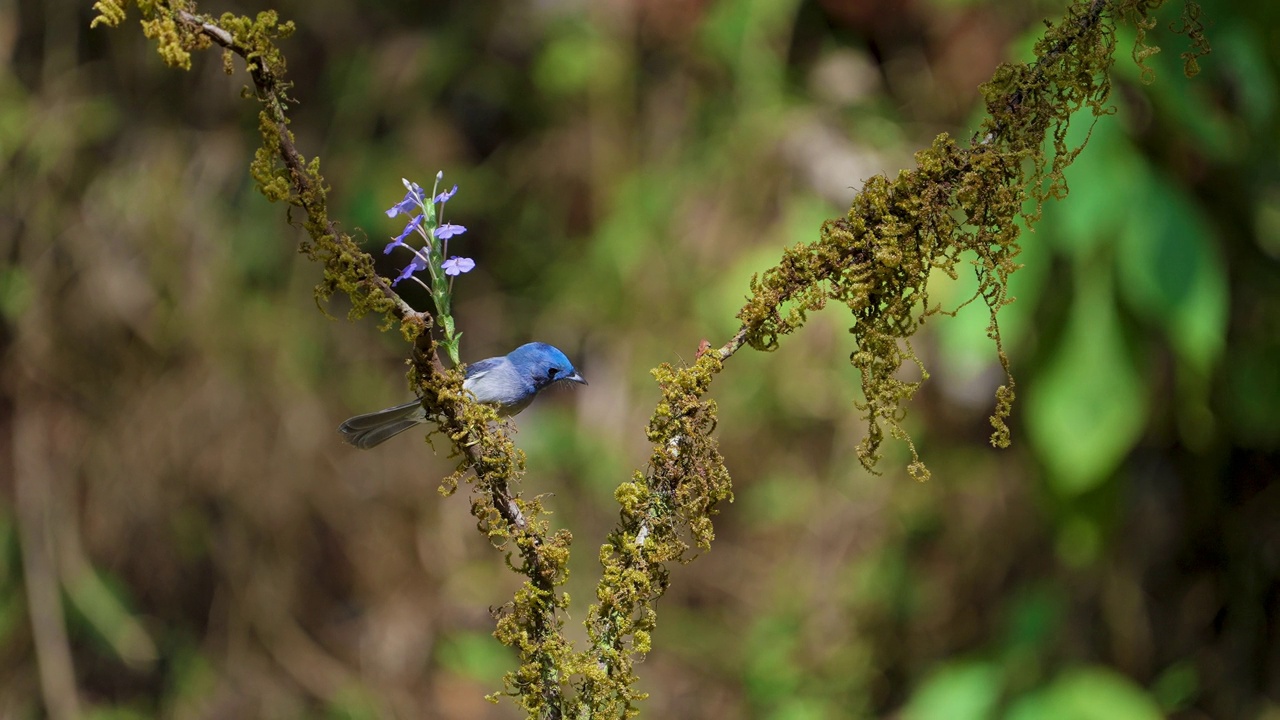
x: 110, y: 13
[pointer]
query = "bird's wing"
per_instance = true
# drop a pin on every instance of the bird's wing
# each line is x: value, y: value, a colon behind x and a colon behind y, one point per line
x: 475, y: 371
x: 498, y: 382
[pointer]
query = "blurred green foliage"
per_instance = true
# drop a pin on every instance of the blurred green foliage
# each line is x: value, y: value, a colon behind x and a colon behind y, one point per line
x: 168, y: 391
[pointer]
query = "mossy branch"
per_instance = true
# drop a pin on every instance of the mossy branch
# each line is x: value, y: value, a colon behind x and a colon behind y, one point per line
x: 960, y: 206
x: 530, y: 623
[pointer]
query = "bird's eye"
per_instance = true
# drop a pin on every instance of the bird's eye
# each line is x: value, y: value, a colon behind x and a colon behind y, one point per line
x: 551, y: 374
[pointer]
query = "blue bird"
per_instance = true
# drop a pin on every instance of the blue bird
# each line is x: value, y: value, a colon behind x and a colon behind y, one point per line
x: 509, y: 383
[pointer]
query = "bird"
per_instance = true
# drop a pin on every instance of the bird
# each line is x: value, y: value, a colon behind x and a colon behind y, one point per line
x: 509, y: 383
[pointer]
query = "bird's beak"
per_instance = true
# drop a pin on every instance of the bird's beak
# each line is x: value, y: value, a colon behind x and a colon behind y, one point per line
x: 577, y: 378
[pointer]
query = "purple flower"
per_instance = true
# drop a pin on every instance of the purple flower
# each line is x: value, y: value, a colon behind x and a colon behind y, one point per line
x: 414, y: 266
x: 444, y: 196
x: 446, y: 231
x: 399, y: 241
x: 412, y: 199
x: 458, y: 265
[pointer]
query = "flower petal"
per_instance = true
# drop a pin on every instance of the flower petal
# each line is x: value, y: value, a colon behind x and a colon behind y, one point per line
x: 412, y: 199
x: 458, y: 265
x: 446, y: 231
x: 414, y: 266
x: 399, y: 241
x: 444, y: 196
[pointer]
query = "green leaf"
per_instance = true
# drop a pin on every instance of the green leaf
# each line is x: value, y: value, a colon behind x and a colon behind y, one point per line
x: 959, y: 691
x: 1170, y: 274
x: 1087, y: 694
x: 103, y: 604
x: 1086, y: 409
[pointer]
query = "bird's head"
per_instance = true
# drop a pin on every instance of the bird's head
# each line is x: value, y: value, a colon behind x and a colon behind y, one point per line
x: 543, y: 365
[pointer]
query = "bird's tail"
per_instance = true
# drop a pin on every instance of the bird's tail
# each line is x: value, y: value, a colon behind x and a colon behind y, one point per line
x: 370, y: 429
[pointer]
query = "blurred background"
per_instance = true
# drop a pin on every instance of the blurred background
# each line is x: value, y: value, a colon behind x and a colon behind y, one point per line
x: 183, y: 535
